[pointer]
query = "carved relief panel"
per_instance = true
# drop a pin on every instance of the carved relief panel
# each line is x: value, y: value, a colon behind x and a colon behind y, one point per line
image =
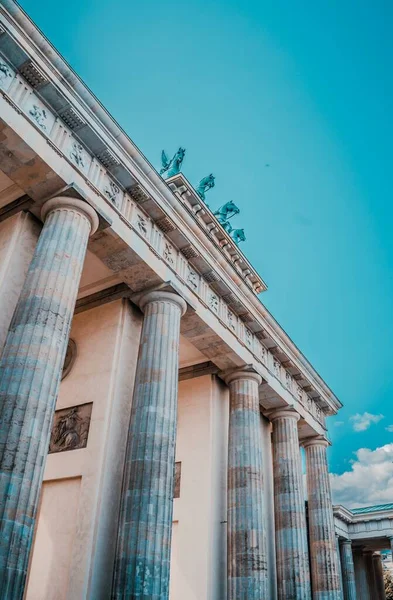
x: 70, y: 428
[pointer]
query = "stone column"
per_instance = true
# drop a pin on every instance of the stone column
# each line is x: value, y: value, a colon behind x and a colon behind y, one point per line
x: 369, y: 566
x: 378, y: 577
x: 247, y: 552
x: 347, y: 570
x: 142, y: 565
x: 30, y: 372
x: 323, y: 548
x: 360, y: 575
x: 293, y: 571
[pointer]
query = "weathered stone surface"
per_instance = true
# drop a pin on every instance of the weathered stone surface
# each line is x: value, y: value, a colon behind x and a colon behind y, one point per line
x: 247, y: 553
x: 347, y: 570
x: 293, y: 573
x: 142, y: 566
x: 30, y: 372
x: 369, y: 566
x: 323, y: 547
x: 378, y: 577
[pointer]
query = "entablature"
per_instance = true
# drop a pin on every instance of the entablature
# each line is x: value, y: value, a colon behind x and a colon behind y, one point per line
x: 189, y: 240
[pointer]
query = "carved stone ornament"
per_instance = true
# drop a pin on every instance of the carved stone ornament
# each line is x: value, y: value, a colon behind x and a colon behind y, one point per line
x: 168, y: 255
x: 231, y: 320
x: 39, y: 115
x: 248, y: 337
x: 213, y: 302
x: 192, y: 279
x: 70, y: 428
x: 76, y: 154
x: 141, y: 224
x: 5, y: 72
x: 112, y: 192
x: 70, y: 358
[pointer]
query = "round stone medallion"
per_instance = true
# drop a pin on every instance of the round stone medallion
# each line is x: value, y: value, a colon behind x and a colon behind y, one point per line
x: 70, y: 358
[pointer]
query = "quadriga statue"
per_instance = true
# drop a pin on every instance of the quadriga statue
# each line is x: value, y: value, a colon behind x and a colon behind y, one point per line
x: 204, y: 185
x: 172, y: 166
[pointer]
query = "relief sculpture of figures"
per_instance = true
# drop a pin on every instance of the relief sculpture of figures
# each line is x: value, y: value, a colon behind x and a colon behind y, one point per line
x: 204, y: 185
x: 172, y: 166
x: 4, y: 72
x: 71, y: 428
x: 39, y: 115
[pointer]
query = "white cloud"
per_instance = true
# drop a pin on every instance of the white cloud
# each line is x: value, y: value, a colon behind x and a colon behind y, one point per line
x: 370, y: 480
x: 389, y: 428
x: 363, y: 422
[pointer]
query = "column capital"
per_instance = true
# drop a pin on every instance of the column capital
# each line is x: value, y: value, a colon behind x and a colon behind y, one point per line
x: 162, y: 296
x: 64, y: 202
x: 241, y: 373
x: 283, y: 413
x: 346, y: 542
x: 315, y: 441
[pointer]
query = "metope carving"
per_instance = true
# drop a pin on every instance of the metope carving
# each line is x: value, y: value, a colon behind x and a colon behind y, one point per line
x: 192, y: 279
x: 70, y: 428
x: 248, y: 337
x: 213, y: 302
x: 5, y: 73
x: 168, y: 254
x: 39, y: 115
x: 112, y: 192
x: 76, y: 154
x: 141, y: 224
x: 231, y: 321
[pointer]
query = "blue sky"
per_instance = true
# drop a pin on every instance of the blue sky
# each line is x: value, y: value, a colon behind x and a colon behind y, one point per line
x: 306, y: 88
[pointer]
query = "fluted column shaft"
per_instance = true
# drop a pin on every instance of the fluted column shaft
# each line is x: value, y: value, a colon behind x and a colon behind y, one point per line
x: 142, y: 565
x: 323, y: 548
x: 348, y: 570
x: 378, y: 577
x: 30, y: 372
x: 369, y: 566
x: 247, y: 554
x: 293, y: 572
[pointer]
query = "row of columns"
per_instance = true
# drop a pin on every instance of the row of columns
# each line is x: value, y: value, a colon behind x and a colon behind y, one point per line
x: 30, y: 371
x: 370, y: 581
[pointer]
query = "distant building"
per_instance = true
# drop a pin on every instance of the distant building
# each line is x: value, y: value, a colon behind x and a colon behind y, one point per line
x: 365, y: 536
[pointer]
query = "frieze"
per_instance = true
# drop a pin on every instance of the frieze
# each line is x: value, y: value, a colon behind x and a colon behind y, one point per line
x: 70, y: 429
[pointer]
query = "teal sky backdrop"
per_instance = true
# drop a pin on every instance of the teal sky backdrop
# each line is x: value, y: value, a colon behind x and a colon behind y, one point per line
x: 305, y: 88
